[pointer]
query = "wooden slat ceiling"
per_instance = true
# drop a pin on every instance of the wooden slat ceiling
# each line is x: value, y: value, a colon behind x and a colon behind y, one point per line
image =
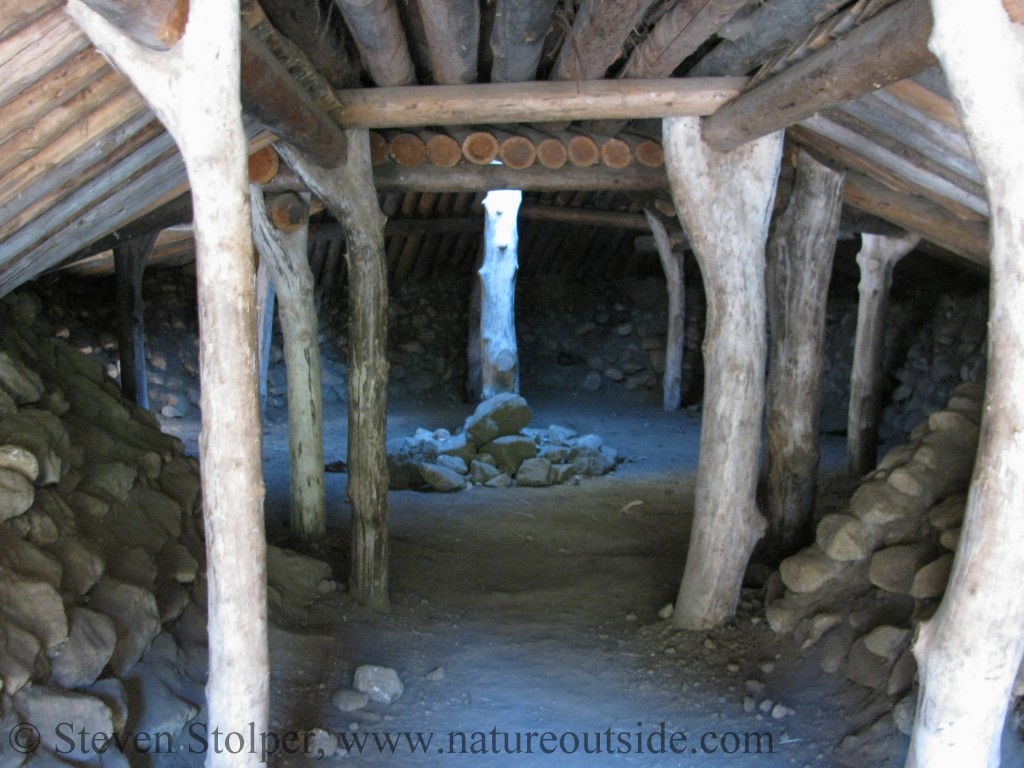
x: 81, y: 156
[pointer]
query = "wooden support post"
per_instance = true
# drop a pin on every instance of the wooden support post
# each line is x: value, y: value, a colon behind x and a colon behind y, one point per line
x: 496, y: 284
x: 192, y: 88
x: 452, y: 28
x: 283, y: 249
x: 129, y: 266
x: 798, y: 268
x: 265, y: 300
x: 517, y: 38
x: 878, y: 255
x: 675, y: 284
x: 724, y: 201
x: 968, y: 654
x: 380, y: 38
x: 349, y: 194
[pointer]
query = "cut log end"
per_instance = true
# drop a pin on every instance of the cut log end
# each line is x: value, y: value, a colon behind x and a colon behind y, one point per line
x: 551, y: 153
x: 480, y: 148
x: 407, y: 150
x: 288, y: 212
x: 378, y: 148
x: 583, y: 151
x: 518, y: 152
x: 264, y: 165
x: 650, y: 153
x: 443, y: 151
x: 615, y: 153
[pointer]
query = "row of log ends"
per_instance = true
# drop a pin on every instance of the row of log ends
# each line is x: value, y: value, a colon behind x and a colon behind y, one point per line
x: 515, y: 150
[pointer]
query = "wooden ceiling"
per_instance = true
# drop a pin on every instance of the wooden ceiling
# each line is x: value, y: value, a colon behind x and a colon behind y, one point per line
x: 851, y: 81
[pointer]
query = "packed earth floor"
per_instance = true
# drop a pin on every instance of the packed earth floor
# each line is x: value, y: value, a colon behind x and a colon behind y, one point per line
x: 536, y: 610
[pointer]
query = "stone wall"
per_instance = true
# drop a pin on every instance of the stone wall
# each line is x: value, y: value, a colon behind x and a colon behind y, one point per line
x: 880, y: 567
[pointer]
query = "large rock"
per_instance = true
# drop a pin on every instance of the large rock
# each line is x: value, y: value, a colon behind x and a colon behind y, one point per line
x: 20, y: 459
x: 51, y: 711
x: 509, y: 451
x: 28, y: 560
x: 894, y: 568
x: 931, y: 580
x: 381, y: 684
x: 20, y: 383
x: 298, y: 578
x: 80, y: 659
x: 135, y: 616
x: 878, y: 503
x: 16, y: 493
x: 845, y: 538
x: 503, y: 414
x: 35, y: 606
x: 81, y: 565
x: 807, y: 570
x: 534, y: 473
x: 441, y: 478
x: 20, y: 657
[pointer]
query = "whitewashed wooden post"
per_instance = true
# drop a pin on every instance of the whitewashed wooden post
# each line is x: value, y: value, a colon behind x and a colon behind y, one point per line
x: 194, y: 90
x: 494, y: 292
x: 348, y: 193
x: 675, y: 341
x: 799, y: 266
x: 877, y: 258
x: 282, y: 242
x: 724, y: 201
x: 968, y: 654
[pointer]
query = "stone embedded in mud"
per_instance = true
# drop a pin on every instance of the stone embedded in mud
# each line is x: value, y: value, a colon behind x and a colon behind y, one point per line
x: 503, y: 414
x: 20, y: 383
x: 845, y: 538
x: 80, y: 659
x: 931, y: 580
x: 349, y: 701
x: 894, y: 568
x: 21, y: 459
x: 47, y: 709
x: 16, y: 493
x: 807, y: 570
x: 135, y: 616
x: 381, y: 684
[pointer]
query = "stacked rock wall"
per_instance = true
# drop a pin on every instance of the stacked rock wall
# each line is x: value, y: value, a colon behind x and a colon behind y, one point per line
x: 100, y: 545
x: 881, y: 567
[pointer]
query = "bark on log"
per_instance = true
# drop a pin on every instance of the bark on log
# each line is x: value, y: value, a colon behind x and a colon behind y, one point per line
x: 476, y: 178
x: 798, y: 268
x: 320, y: 36
x: 499, y: 355
x: 349, y: 194
x: 724, y: 201
x: 129, y: 266
x: 675, y: 338
x: 289, y: 213
x: 204, y: 64
x: 968, y: 654
x: 155, y: 24
x: 380, y: 38
x: 36, y: 49
x: 284, y: 253
x: 877, y: 258
x: 533, y: 102
x: 452, y: 28
x: 378, y: 148
x: 888, y: 47
x: 517, y: 38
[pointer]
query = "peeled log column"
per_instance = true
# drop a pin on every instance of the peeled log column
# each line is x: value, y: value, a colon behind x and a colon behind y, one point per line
x: 970, y: 651
x: 283, y: 250
x: 496, y: 278
x: 517, y: 38
x: 349, y: 194
x: 878, y: 256
x: 207, y: 126
x: 129, y: 266
x: 724, y: 201
x: 675, y: 341
x: 799, y: 265
x: 380, y: 38
x: 452, y: 28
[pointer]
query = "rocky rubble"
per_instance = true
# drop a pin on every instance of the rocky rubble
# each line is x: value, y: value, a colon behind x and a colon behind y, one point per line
x: 495, y: 448
x: 881, y: 567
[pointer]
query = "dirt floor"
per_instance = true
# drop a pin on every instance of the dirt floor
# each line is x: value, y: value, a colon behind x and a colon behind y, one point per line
x: 541, y: 606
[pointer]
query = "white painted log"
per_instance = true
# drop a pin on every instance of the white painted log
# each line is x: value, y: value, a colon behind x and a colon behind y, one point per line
x: 284, y: 253
x: 675, y: 340
x: 968, y: 654
x: 499, y: 354
x: 877, y: 258
x: 349, y: 194
x: 724, y: 201
x: 799, y: 265
x: 194, y: 90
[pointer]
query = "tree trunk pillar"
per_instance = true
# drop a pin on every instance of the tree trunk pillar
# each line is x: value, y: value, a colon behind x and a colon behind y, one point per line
x: 724, y: 201
x: 285, y: 256
x: 968, y: 654
x: 129, y: 267
x: 348, y: 192
x: 675, y: 341
x: 265, y: 300
x: 877, y: 258
x: 496, y: 281
x: 194, y: 90
x: 799, y: 265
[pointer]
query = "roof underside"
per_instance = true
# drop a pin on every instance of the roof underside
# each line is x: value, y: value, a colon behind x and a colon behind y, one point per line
x: 83, y: 157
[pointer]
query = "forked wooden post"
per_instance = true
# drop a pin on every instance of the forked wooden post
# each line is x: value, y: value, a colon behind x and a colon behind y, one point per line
x: 284, y: 253
x: 877, y: 258
x: 129, y: 267
x: 724, y: 201
x: 799, y: 265
x: 968, y: 654
x: 194, y: 90
x: 348, y: 192
x: 675, y: 284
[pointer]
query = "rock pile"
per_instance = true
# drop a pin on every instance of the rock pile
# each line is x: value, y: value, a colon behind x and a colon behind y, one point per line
x: 877, y: 570
x: 100, y: 544
x: 495, y: 448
